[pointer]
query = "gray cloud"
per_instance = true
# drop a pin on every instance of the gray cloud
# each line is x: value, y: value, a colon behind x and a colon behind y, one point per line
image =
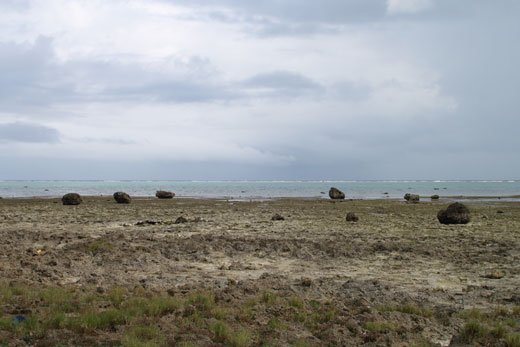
x: 25, y: 132
x: 282, y: 84
x: 32, y: 76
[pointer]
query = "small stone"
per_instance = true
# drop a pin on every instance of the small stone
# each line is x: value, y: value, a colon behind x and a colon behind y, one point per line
x: 435, y: 197
x: 276, y: 216
x: 181, y: 220
x: 494, y: 275
x: 500, y: 211
x: 351, y: 217
x: 306, y: 282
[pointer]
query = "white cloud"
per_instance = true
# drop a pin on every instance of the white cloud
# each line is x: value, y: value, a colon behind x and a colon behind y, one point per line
x: 408, y: 6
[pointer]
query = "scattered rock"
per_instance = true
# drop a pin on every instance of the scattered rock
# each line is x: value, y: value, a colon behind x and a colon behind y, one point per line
x: 411, y: 197
x: 435, y: 197
x: 122, y: 198
x: 71, y: 199
x: 500, y: 211
x: 351, y: 217
x: 335, y: 193
x: 456, y: 213
x: 436, y: 188
x: 146, y: 222
x: 494, y: 275
x: 162, y: 194
x: 276, y: 216
x: 181, y: 220
x: 306, y: 282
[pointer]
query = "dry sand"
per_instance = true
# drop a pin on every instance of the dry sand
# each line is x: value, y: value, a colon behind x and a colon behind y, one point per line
x: 396, y: 253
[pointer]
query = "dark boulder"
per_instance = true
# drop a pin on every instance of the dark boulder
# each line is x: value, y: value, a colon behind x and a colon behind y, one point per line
x: 411, y: 197
x: 435, y: 197
x: 71, y: 199
x: 276, y: 216
x: 122, y: 198
x: 335, y: 193
x: 456, y: 213
x: 351, y: 217
x: 162, y: 194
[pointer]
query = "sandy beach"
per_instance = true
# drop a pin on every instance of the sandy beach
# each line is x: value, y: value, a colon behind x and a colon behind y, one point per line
x: 396, y: 256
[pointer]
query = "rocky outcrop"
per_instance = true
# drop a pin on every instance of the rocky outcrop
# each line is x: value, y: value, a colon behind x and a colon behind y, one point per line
x: 162, y: 194
x: 71, y: 199
x: 456, y: 213
x: 122, y: 198
x: 335, y: 193
x: 352, y: 217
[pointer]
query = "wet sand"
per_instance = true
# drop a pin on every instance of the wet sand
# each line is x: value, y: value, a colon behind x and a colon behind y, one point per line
x: 396, y: 253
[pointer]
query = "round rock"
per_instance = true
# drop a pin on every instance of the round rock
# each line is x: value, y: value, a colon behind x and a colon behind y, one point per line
x: 122, y: 198
x: 351, y: 217
x: 456, y: 213
x: 71, y: 199
x: 162, y: 194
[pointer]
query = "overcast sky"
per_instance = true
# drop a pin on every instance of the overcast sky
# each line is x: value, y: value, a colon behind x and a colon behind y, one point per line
x: 267, y: 89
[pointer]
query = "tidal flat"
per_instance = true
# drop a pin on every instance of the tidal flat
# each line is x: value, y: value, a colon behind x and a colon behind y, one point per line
x: 103, y: 273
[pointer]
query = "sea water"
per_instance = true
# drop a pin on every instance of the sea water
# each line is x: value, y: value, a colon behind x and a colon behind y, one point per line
x: 244, y: 190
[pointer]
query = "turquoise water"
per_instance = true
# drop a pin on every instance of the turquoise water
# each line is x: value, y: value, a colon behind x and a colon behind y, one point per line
x: 261, y: 189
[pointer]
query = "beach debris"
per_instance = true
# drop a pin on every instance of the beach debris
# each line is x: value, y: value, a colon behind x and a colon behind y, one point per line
x: 494, y: 275
x: 39, y: 252
x: 162, y: 194
x: 455, y: 213
x: 71, y: 199
x: 122, y: 198
x: 181, y: 220
x: 18, y: 319
x: 434, y: 197
x: 352, y: 217
x: 276, y: 216
x: 335, y: 193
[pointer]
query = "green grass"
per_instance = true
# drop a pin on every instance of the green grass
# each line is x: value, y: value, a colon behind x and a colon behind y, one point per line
x: 142, y: 336
x: 100, y: 245
x: 240, y: 338
x: 204, y: 301
x: 378, y: 326
x: 513, y: 340
x: 473, y: 330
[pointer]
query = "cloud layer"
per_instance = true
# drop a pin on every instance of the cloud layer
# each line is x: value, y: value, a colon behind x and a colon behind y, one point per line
x: 340, y: 89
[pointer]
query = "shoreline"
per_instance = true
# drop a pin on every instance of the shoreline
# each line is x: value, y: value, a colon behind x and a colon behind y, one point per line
x: 510, y: 198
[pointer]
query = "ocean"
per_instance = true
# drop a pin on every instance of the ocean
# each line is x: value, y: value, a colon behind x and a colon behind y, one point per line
x: 246, y: 190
